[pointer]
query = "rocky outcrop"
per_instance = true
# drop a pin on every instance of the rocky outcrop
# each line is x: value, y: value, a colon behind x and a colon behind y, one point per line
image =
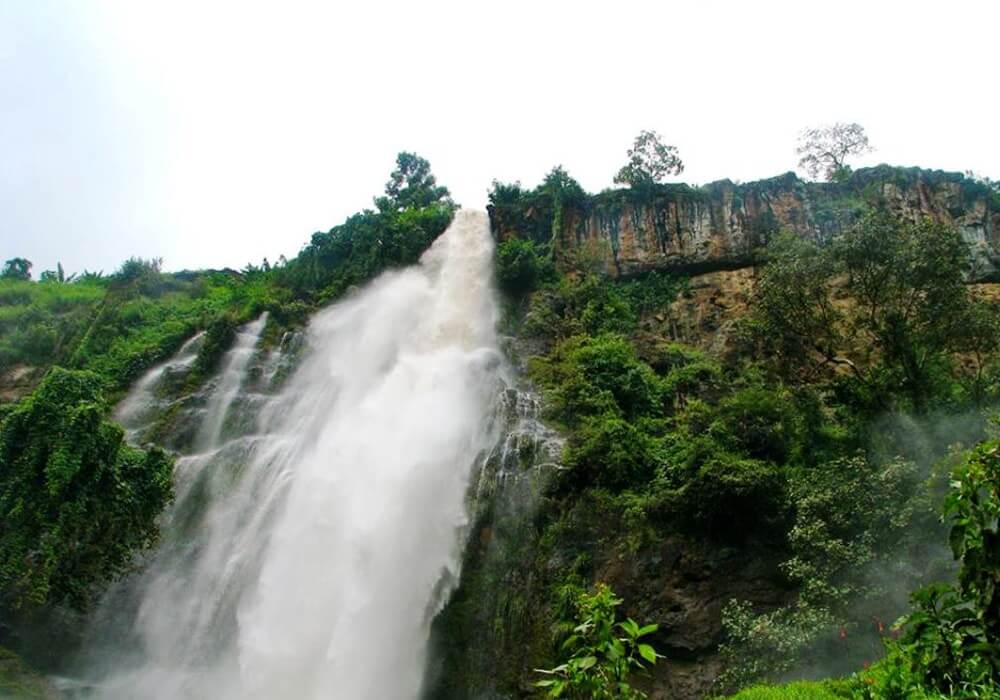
x: 719, y: 226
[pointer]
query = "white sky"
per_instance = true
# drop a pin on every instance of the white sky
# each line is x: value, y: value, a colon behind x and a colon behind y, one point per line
x: 216, y: 133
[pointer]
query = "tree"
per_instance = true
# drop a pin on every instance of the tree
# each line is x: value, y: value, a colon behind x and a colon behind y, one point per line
x: 905, y: 308
x: 17, y: 269
x: 57, y: 275
x: 518, y: 266
x: 602, y: 653
x: 411, y: 185
x: 825, y: 149
x: 75, y: 501
x: 649, y: 161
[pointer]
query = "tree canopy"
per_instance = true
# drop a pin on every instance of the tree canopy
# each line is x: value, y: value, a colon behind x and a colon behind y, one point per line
x: 824, y: 150
x: 412, y: 185
x: 887, y: 303
x: 17, y: 269
x: 75, y: 501
x: 649, y: 161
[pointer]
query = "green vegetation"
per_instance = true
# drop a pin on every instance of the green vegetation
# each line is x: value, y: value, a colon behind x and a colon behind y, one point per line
x: 75, y: 501
x: 950, y: 643
x: 519, y: 266
x: 38, y: 322
x: 17, y: 269
x: 120, y: 325
x: 18, y: 682
x: 814, y: 439
x: 601, y: 653
x: 887, y: 303
x: 649, y: 161
x: 802, y: 690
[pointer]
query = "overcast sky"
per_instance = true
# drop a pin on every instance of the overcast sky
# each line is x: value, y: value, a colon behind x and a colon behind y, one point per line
x: 215, y: 133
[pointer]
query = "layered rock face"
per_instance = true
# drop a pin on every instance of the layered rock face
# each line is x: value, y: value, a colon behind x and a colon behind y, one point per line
x: 719, y: 226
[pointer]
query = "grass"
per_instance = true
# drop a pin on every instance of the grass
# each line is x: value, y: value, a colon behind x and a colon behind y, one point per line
x: 800, y: 690
x: 18, y: 682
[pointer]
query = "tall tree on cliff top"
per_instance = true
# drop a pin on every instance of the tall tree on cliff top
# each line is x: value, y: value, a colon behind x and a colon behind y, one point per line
x: 649, y: 161
x: 411, y: 184
x: 825, y: 149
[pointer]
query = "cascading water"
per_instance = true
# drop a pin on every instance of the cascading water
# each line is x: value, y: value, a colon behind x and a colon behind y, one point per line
x: 141, y: 405
x: 306, y: 558
x: 230, y: 381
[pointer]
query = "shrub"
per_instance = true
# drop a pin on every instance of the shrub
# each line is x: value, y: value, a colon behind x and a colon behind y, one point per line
x: 601, y: 653
x: 609, y: 452
x: 519, y: 266
x: 75, y: 501
x: 951, y: 641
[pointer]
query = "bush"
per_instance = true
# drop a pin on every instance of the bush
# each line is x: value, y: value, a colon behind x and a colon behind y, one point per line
x: 733, y: 497
x: 609, y: 452
x: 759, y: 422
x: 951, y: 641
x: 601, y: 653
x: 588, y: 376
x: 75, y: 501
x: 519, y: 266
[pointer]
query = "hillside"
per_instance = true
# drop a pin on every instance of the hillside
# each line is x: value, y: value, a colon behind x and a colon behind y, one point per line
x: 740, y: 406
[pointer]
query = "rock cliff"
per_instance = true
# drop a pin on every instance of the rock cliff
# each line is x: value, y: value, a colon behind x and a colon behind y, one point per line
x: 720, y: 225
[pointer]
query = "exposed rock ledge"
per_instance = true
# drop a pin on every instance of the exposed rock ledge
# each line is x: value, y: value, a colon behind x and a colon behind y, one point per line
x: 719, y: 226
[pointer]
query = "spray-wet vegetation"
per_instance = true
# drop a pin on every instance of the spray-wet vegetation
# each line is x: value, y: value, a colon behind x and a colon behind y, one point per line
x: 767, y: 470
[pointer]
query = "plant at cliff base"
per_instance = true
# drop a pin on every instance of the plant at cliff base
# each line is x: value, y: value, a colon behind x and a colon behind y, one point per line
x: 649, y: 161
x: 602, y: 652
x: 951, y: 641
x: 847, y: 511
x: 825, y: 149
x: 75, y: 501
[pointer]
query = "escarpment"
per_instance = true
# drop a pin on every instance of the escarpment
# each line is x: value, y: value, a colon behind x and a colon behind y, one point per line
x: 720, y: 226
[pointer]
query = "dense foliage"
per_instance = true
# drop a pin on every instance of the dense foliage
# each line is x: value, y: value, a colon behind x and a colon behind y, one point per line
x: 17, y: 269
x: 886, y: 303
x: 75, y: 501
x: 815, y: 437
x: 950, y: 643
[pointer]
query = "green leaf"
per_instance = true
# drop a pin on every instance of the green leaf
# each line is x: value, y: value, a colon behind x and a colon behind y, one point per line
x: 630, y: 627
x: 648, y: 653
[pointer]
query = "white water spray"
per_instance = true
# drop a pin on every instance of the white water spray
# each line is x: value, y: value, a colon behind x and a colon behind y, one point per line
x: 135, y: 411
x: 231, y: 378
x: 307, y: 560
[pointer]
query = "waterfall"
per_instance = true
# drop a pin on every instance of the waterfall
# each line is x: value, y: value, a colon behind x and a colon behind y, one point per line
x: 231, y: 378
x: 305, y: 556
x: 140, y: 407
